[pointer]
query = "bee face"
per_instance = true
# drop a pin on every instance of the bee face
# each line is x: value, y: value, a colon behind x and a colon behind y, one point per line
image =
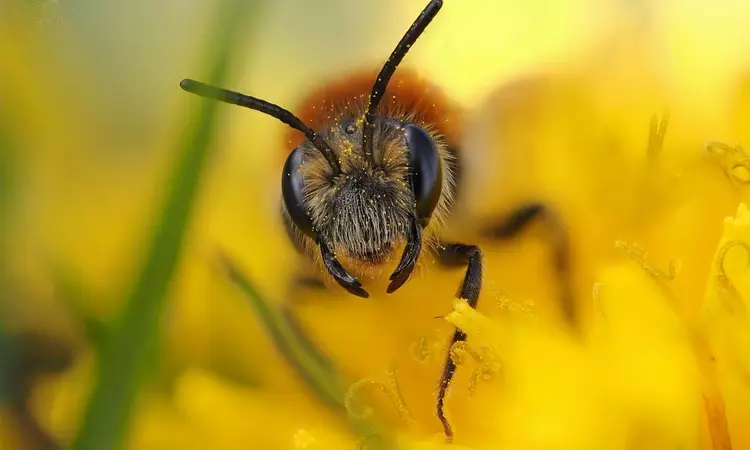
x: 364, y: 212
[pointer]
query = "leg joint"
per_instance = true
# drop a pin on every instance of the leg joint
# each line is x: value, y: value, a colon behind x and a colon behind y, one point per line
x: 455, y: 255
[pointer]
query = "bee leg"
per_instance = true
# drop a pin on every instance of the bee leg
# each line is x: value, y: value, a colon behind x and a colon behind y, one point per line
x: 518, y: 221
x: 457, y: 255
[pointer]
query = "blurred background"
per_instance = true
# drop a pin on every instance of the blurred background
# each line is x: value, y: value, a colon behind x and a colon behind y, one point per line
x: 559, y: 96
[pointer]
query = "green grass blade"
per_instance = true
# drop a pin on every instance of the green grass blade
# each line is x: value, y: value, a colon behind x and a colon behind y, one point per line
x: 134, y: 338
x: 74, y: 296
x: 314, y: 368
x: 8, y: 182
x: 297, y: 350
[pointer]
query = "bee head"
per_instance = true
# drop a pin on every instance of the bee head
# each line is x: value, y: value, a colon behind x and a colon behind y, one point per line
x: 364, y: 209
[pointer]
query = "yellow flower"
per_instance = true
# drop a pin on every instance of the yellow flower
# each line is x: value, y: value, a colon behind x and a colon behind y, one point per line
x: 643, y: 379
x: 661, y: 360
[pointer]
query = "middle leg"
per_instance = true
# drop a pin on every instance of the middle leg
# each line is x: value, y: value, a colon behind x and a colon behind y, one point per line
x: 557, y: 237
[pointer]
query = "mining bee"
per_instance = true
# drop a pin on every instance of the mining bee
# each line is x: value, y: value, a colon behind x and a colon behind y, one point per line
x: 376, y: 174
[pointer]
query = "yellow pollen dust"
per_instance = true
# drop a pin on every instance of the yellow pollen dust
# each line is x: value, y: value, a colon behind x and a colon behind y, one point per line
x: 347, y: 149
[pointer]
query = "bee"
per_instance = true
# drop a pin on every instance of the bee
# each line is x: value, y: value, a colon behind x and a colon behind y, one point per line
x: 376, y: 174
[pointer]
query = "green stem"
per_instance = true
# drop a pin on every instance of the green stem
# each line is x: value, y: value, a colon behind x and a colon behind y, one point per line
x: 125, y: 353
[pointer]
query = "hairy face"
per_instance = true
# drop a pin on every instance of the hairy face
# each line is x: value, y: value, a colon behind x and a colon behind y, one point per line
x: 364, y: 212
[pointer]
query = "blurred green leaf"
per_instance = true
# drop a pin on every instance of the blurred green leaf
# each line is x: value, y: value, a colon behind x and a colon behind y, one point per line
x: 135, y: 338
x: 314, y: 368
x: 25, y: 356
x: 10, y: 351
x: 295, y: 347
x: 8, y: 169
x: 74, y: 296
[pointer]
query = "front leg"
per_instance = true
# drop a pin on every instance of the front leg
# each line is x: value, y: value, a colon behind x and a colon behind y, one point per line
x: 453, y: 255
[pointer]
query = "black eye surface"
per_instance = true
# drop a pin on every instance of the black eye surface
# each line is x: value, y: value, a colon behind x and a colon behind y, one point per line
x: 426, y: 171
x: 292, y: 189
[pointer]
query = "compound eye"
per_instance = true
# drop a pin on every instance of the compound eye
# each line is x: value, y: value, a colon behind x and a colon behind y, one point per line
x: 426, y: 171
x: 292, y: 190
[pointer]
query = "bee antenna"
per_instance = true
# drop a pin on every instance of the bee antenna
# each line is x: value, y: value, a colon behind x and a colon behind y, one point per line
x: 378, y: 89
x: 235, y: 98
